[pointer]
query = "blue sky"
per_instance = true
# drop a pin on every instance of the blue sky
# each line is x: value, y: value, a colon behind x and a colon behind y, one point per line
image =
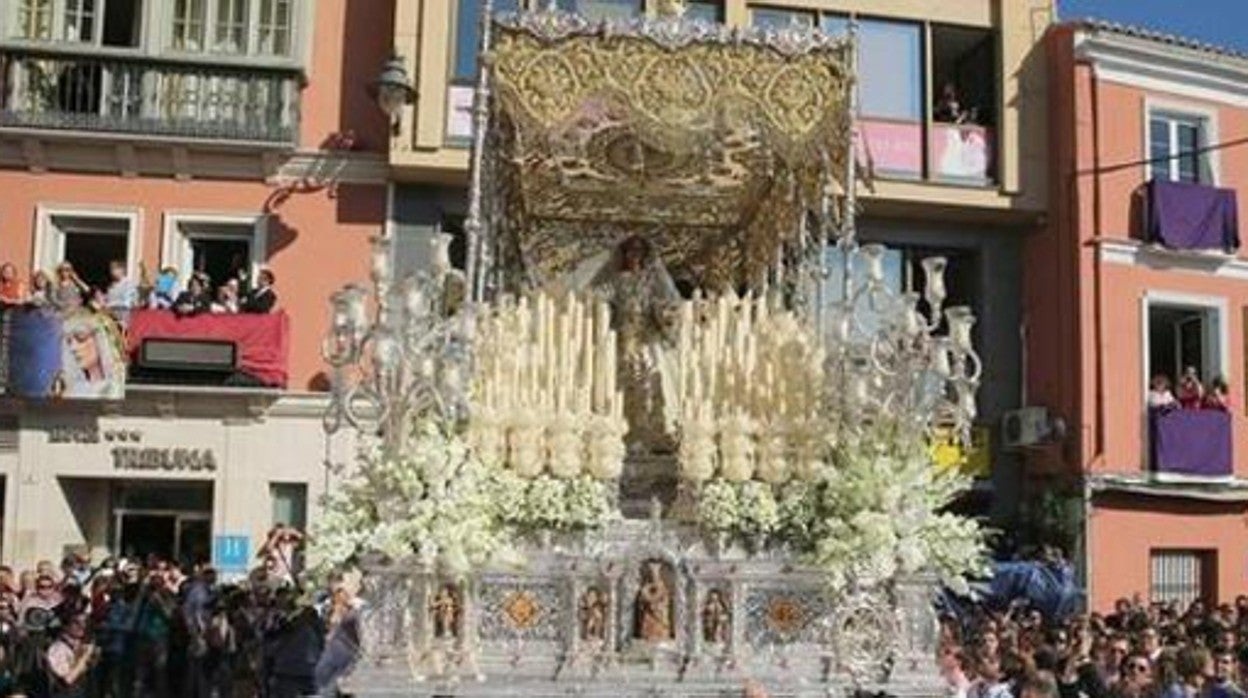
x: 1222, y: 22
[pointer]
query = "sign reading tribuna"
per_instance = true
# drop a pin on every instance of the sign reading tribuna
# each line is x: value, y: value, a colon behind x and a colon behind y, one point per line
x: 170, y: 459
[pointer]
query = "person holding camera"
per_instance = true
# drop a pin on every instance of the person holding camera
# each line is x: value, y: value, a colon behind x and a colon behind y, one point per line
x: 70, y: 659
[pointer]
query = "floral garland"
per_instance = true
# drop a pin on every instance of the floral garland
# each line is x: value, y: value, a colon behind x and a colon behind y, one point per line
x: 553, y: 503
x: 433, y: 502
x: 871, y: 513
x: 442, y: 504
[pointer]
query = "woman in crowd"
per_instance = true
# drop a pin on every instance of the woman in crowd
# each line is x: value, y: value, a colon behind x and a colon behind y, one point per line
x: 12, y: 290
x: 68, y: 291
x: 40, y: 289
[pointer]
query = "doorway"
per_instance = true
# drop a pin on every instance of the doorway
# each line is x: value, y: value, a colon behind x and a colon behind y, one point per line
x: 87, y: 241
x: 223, y: 247
x: 221, y: 258
x: 123, y: 23
x: 1182, y: 337
x: 171, y: 520
x: 184, y: 538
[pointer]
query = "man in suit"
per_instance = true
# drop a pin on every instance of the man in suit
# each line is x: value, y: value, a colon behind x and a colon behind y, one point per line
x: 262, y: 298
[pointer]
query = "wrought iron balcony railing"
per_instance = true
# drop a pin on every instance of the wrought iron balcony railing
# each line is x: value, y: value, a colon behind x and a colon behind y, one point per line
x: 150, y: 96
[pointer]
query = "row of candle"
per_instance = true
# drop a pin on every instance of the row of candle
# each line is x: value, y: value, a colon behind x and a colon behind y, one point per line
x: 738, y: 356
x: 555, y: 354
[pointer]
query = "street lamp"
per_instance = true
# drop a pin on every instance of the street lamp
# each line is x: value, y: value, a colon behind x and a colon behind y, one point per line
x: 393, y: 90
x: 404, y: 353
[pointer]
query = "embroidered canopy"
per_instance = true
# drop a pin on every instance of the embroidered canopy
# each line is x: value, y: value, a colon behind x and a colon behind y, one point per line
x: 710, y: 142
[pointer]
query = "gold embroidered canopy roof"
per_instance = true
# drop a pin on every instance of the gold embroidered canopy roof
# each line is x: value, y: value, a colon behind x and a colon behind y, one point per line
x: 709, y: 142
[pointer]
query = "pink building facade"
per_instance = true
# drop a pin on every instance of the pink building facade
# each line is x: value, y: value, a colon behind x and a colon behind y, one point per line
x: 186, y: 135
x: 1148, y: 150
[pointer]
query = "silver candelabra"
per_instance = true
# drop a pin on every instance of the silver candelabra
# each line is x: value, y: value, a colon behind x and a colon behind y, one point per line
x: 893, y: 359
x: 405, y: 353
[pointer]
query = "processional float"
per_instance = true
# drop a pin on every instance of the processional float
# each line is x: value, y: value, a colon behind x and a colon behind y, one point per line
x: 652, y: 376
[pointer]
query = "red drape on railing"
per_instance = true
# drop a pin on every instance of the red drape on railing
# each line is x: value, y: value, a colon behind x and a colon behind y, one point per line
x: 263, y: 341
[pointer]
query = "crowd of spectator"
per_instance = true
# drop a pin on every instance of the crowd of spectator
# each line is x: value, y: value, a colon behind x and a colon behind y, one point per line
x: 1192, y: 394
x: 66, y: 291
x: 149, y: 628
x: 1140, y: 650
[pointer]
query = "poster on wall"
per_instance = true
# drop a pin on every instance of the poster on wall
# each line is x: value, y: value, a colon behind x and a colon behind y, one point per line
x: 76, y: 355
x: 459, y: 113
x: 961, y: 152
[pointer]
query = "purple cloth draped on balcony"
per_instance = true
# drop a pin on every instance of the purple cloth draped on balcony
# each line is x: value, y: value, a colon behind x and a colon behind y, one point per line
x: 1185, y: 216
x: 1196, y: 443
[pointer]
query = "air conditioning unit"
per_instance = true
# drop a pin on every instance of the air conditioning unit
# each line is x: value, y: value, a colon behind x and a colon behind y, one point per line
x: 1026, y: 427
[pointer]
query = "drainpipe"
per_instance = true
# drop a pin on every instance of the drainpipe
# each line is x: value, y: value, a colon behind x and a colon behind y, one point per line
x: 1098, y: 454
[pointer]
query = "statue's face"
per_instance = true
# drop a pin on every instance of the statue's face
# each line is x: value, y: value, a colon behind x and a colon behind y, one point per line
x: 633, y: 254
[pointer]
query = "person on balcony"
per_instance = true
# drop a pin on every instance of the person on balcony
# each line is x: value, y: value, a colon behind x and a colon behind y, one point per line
x: 40, y: 289
x: 12, y: 290
x: 165, y: 290
x: 949, y: 109
x: 227, y: 298
x: 67, y: 293
x: 261, y: 299
x: 1218, y: 396
x: 122, y: 295
x: 1191, y: 392
x: 1159, y: 394
x: 240, y: 271
x: 195, y: 299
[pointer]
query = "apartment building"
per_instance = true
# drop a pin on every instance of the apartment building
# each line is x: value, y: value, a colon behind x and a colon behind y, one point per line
x: 970, y: 186
x: 1139, y: 277
x: 206, y: 136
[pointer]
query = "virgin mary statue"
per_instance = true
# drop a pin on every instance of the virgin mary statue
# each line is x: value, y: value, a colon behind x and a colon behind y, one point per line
x: 642, y: 296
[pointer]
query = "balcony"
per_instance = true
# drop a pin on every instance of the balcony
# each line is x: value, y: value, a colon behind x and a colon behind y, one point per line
x: 1191, y: 444
x: 57, y: 90
x: 209, y: 349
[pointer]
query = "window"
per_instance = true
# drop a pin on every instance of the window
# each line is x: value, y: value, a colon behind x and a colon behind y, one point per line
x: 219, y: 246
x: 1174, y: 143
x: 275, y: 28
x: 255, y: 27
x: 123, y: 23
x: 834, y: 25
x: 891, y: 70
x: 290, y: 504
x: 87, y: 240
x: 1181, y: 576
x: 188, y: 25
x: 961, y: 141
x: 709, y: 11
x: 603, y: 9
x: 468, y: 37
x: 903, y: 273
x: 230, y: 33
x: 1183, y: 335
x: 34, y: 19
x: 777, y: 18
x: 79, y: 20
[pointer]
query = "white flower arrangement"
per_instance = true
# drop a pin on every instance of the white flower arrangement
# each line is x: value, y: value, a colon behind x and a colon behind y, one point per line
x: 432, y: 502
x: 872, y: 511
x: 547, y: 502
x: 760, y: 515
x: 718, y: 507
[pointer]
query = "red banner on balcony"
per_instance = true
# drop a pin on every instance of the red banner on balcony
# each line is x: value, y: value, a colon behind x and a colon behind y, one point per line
x: 263, y: 341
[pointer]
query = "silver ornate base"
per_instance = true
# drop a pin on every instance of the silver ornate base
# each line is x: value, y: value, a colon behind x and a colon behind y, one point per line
x: 647, y: 608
